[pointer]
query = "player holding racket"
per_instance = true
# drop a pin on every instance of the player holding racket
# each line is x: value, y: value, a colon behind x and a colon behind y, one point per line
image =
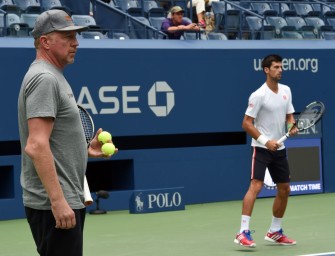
x: 54, y: 149
x: 269, y: 109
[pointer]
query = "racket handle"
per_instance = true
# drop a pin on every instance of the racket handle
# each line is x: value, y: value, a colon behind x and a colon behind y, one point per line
x: 87, y: 193
x: 282, y: 139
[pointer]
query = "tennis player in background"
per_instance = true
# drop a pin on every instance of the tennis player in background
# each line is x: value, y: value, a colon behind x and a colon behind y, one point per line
x: 269, y: 109
x: 53, y: 145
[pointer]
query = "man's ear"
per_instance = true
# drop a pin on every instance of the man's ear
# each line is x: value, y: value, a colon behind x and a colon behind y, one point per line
x: 44, y: 42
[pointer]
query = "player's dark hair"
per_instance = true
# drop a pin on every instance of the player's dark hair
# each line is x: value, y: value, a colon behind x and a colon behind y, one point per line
x: 267, y: 61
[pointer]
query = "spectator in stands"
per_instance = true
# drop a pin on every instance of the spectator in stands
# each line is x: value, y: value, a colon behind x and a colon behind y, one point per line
x: 53, y: 145
x: 270, y: 108
x: 174, y: 25
x: 200, y: 9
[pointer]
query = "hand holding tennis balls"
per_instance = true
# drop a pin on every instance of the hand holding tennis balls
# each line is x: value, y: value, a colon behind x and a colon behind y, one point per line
x: 104, y: 137
x: 108, y: 149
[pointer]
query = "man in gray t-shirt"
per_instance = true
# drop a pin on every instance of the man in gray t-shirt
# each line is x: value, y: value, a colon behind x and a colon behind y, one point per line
x: 54, y: 149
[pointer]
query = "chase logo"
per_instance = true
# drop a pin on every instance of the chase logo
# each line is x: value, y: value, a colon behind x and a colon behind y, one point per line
x: 161, y: 87
x: 157, y: 200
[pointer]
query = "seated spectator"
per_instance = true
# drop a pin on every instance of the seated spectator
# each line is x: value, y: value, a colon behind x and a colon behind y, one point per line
x: 174, y: 25
x: 200, y: 9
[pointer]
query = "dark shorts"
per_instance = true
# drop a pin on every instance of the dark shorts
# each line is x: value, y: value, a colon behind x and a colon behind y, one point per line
x: 51, y: 241
x: 275, y: 161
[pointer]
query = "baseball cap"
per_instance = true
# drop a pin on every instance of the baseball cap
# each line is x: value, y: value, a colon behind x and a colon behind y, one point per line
x: 54, y: 20
x: 176, y: 9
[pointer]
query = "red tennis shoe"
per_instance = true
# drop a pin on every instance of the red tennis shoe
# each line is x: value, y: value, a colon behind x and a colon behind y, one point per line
x: 279, y: 238
x: 245, y: 239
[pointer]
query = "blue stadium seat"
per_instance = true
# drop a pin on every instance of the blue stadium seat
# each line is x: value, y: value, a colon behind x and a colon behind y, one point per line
x: 119, y: 36
x: 15, y: 27
x: 318, y: 24
x: 216, y: 36
x: 258, y: 30
x: 92, y: 35
x: 31, y: 6
x: 54, y: 4
x: 305, y: 9
x: 289, y: 32
x: 228, y: 20
x: 280, y: 25
x: 331, y: 22
x: 193, y: 35
x: 29, y: 18
x: 156, y: 22
x: 2, y: 25
x: 283, y: 9
x: 300, y: 24
x: 131, y: 7
x: 263, y: 8
x: 9, y: 6
x: 328, y: 35
x: 151, y: 9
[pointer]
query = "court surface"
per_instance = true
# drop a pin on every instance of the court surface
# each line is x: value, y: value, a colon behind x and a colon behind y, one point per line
x: 200, y: 230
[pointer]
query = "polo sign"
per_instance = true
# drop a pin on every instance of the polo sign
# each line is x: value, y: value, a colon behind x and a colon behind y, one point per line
x: 157, y: 200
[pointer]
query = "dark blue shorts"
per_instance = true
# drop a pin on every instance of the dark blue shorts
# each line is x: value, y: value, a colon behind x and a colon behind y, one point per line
x: 51, y: 241
x: 275, y: 161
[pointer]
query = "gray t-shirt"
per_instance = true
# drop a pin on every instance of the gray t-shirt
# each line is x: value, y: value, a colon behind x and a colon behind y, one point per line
x: 46, y: 93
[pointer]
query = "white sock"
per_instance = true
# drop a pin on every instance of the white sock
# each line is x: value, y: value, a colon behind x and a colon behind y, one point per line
x: 275, y: 224
x: 245, y: 220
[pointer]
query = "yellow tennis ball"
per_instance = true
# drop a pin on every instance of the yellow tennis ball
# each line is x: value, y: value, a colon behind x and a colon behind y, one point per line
x: 104, y: 137
x: 108, y: 149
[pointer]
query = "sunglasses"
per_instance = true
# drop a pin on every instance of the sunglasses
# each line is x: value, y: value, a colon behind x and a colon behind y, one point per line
x: 179, y: 13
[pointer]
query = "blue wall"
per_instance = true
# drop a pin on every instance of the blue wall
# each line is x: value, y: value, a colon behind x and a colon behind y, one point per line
x: 210, y: 83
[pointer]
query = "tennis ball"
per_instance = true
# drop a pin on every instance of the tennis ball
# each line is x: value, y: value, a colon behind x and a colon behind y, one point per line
x: 104, y: 137
x: 108, y: 149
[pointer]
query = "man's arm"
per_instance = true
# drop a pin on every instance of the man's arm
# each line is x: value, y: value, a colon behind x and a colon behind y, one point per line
x: 38, y: 149
x: 248, y: 126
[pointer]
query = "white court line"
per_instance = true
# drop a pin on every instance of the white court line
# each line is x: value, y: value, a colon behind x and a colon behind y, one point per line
x: 320, y: 254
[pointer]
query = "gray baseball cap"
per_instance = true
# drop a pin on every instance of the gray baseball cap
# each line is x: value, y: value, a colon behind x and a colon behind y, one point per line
x: 54, y: 20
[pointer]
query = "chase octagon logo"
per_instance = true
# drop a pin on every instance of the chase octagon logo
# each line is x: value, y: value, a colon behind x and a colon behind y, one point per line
x: 157, y: 88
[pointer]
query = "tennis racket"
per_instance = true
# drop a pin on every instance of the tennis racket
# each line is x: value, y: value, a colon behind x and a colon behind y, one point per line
x: 88, y: 127
x: 309, y: 117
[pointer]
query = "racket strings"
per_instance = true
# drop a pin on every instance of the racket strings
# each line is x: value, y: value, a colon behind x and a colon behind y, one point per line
x: 310, y: 116
x: 87, y: 125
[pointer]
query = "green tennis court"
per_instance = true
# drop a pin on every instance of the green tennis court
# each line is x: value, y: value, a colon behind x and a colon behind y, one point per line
x: 200, y: 230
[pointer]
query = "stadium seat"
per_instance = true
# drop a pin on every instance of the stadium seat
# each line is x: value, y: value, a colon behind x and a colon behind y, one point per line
x: 85, y: 20
x: 216, y: 36
x: 325, y: 10
x: 31, y: 6
x: 331, y: 22
x: 258, y: 30
x: 151, y: 9
x: 119, y: 36
x: 54, y: 4
x: 131, y: 7
x: 289, y: 32
x: 280, y: 24
x: 156, y: 22
x: 9, y: 7
x: 228, y: 20
x: 2, y: 25
x: 318, y: 24
x: 193, y: 35
x: 328, y: 35
x: 15, y: 27
x: 92, y: 35
x: 305, y: 9
x: 283, y: 9
x: 300, y: 24
x: 263, y: 9
x: 30, y: 19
